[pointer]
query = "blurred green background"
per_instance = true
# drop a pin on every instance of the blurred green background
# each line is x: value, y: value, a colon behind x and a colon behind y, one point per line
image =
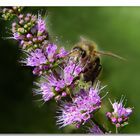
x: 115, y: 29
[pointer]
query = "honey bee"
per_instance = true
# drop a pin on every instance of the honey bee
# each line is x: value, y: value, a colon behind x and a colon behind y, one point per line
x: 85, y: 52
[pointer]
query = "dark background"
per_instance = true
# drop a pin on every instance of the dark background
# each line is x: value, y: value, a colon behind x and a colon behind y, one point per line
x: 115, y: 29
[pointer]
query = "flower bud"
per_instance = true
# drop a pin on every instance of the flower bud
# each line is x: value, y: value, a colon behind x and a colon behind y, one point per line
x: 28, y: 15
x: 118, y: 125
x: 21, y: 21
x: 21, y: 30
x: 114, y: 120
x: 119, y: 119
x: 64, y: 94
x: 29, y: 36
x: 34, y: 39
x: 26, y: 19
x: 20, y: 16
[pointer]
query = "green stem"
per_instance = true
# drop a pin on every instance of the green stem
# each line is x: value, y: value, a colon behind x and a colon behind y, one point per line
x: 116, y: 130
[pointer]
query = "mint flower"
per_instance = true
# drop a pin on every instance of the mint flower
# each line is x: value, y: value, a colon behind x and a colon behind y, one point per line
x: 60, y: 82
x: 50, y: 86
x: 81, y: 108
x: 71, y: 71
x: 119, y: 117
x: 36, y: 58
x: 43, y: 59
x: 54, y: 82
x: 47, y: 91
x: 62, y: 53
x: 30, y: 31
x: 51, y: 52
x: 41, y: 25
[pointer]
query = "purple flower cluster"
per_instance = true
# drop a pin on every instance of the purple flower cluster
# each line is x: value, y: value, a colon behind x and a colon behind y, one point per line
x: 71, y: 71
x: 60, y: 84
x: 44, y: 59
x: 47, y: 91
x: 81, y: 108
x: 30, y: 31
x: 120, y: 115
x: 36, y: 58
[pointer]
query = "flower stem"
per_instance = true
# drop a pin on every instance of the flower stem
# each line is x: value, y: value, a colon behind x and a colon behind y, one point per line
x: 116, y: 130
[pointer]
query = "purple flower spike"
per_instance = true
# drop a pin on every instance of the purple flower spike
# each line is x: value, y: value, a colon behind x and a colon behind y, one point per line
x: 79, y: 111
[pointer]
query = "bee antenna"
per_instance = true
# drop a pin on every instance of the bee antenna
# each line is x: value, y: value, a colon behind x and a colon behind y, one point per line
x: 110, y: 54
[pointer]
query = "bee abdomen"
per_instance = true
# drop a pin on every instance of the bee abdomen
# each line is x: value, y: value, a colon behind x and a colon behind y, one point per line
x: 92, y: 70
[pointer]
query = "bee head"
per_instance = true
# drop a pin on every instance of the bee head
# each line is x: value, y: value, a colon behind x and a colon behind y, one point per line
x: 80, y: 51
